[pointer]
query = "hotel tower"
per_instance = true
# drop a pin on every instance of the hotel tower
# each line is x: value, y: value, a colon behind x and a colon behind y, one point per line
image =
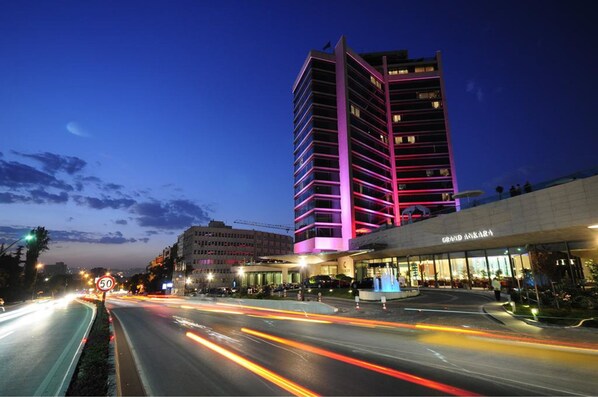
x: 372, y: 146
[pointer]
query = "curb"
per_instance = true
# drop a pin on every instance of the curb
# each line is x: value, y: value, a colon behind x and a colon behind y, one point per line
x: 77, y: 356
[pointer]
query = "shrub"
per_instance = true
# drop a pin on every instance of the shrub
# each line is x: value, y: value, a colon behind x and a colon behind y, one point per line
x: 91, y: 374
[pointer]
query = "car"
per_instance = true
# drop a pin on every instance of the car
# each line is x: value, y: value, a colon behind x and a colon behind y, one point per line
x: 321, y: 281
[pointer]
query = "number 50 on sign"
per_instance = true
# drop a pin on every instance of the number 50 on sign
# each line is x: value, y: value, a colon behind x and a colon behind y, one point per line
x: 105, y: 283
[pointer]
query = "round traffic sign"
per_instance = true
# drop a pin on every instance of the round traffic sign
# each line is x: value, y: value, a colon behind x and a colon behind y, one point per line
x: 105, y: 283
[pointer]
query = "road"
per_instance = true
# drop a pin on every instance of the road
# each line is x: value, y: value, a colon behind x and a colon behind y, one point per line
x: 185, y: 347
x: 39, y: 343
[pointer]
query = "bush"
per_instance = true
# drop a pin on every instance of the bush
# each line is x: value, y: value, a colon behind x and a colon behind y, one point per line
x: 91, y: 375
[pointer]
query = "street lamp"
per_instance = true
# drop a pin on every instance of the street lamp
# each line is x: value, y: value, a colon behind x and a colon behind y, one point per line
x: 240, y: 273
x: 37, y: 268
x: 28, y: 237
x: 210, y: 278
x: 302, y: 266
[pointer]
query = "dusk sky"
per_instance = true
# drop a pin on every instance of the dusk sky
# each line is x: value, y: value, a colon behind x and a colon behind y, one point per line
x: 122, y: 123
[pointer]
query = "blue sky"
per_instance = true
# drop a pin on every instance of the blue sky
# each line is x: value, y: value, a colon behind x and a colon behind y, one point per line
x: 124, y: 122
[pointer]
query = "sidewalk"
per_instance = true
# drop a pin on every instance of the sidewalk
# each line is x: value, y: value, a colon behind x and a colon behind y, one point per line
x: 528, y: 327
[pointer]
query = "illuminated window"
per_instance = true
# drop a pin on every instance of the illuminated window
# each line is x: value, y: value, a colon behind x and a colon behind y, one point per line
x: 444, y: 172
x: 429, y: 172
x: 383, y: 138
x: 396, y: 118
x: 421, y: 69
x: 404, y: 139
x: 355, y: 111
x: 402, y: 186
x: 428, y: 95
x: 398, y: 71
x: 446, y: 197
x: 436, y: 104
x: 375, y: 82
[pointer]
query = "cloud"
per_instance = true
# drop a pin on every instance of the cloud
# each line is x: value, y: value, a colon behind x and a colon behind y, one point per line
x: 113, y: 186
x: 53, y: 163
x: 76, y: 129
x: 115, y: 238
x: 104, y: 202
x: 121, y: 222
x: 473, y: 87
x: 143, y: 240
x: 175, y: 214
x: 11, y: 198
x: 40, y: 196
x: 9, y: 234
x: 14, y: 175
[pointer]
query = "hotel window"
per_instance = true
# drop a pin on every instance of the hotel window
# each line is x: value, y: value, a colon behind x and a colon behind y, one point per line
x: 428, y: 95
x: 402, y: 186
x: 355, y: 111
x: 404, y: 139
x: 421, y: 69
x: 375, y: 82
x: 444, y: 172
x: 446, y: 197
x: 429, y: 172
x: 396, y: 118
x: 436, y: 104
x: 383, y: 138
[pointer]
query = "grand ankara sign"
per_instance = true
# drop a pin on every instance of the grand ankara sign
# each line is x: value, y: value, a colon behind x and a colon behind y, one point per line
x: 479, y: 234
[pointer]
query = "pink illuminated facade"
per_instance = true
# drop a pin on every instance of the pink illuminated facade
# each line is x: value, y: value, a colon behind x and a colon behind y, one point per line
x: 371, y: 145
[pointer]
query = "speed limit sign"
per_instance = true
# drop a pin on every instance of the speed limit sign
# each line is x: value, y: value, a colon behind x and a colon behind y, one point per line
x: 105, y: 283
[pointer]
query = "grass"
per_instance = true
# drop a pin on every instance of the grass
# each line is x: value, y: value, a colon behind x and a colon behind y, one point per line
x: 91, y: 375
x: 554, y: 316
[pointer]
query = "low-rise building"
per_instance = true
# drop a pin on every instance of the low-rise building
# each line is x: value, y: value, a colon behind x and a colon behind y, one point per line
x: 214, y: 249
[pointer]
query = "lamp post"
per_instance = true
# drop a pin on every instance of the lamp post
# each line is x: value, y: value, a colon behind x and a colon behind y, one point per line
x: 240, y: 273
x: 34, y: 292
x: 210, y: 278
x: 302, y: 266
x: 28, y: 237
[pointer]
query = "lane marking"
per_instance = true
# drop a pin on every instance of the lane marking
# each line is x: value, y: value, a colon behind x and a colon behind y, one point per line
x: 441, y: 311
x: 6, y: 334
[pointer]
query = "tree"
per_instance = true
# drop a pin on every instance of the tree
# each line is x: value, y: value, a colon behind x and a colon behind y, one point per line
x: 499, y: 190
x: 35, y: 246
x: 10, y: 275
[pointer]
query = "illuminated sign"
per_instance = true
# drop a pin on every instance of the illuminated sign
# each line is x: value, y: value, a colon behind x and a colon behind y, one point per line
x: 455, y: 238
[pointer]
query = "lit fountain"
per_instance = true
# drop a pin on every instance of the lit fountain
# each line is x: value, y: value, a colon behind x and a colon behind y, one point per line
x: 385, y: 286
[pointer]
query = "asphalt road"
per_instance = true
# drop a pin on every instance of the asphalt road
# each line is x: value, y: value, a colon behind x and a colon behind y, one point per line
x: 184, y: 347
x: 436, y: 306
x: 39, y: 343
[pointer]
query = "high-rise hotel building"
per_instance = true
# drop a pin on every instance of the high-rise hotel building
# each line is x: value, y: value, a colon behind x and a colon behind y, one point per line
x: 371, y: 145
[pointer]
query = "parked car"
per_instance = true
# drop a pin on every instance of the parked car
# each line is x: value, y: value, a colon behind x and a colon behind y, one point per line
x: 321, y: 281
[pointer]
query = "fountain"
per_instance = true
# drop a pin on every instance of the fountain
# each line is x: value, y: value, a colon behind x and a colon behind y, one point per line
x: 386, y: 285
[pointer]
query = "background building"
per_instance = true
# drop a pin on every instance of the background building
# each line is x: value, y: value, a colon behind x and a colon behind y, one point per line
x: 212, y: 251
x: 59, y: 268
x: 371, y: 145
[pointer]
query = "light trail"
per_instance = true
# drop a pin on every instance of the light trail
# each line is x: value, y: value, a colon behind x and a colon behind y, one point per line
x: 442, y: 387
x: 257, y: 311
x: 278, y: 380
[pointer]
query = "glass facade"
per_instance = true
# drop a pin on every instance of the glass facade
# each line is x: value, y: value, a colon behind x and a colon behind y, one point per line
x: 465, y: 269
x: 317, y: 195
